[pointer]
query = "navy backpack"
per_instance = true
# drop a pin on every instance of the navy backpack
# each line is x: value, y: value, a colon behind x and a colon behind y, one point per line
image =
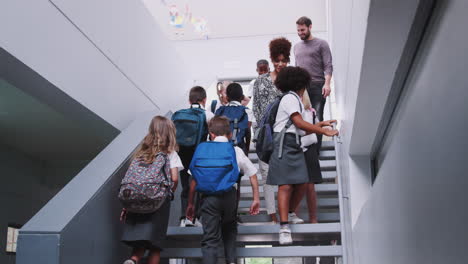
x: 238, y: 121
x: 190, y: 125
x: 214, y: 167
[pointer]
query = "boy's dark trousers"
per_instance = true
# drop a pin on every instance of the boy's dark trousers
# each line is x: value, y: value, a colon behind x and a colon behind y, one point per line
x: 186, y: 155
x: 219, y: 219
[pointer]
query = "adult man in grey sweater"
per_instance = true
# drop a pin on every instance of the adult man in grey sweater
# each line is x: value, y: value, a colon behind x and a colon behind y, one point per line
x: 313, y: 54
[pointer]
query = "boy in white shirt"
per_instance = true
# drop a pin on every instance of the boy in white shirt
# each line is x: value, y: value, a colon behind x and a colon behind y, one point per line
x: 197, y: 99
x: 235, y: 96
x: 219, y: 211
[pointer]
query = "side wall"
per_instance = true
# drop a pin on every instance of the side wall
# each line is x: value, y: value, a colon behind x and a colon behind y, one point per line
x: 416, y: 210
x: 348, y: 32
x: 117, y: 64
x: 27, y: 184
x: 413, y: 213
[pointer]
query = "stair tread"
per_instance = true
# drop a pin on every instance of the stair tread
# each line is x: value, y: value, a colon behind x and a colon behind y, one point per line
x: 263, y: 229
x: 322, y: 217
x: 324, y: 155
x: 326, y: 145
x: 320, y: 189
x: 282, y: 251
x: 327, y: 176
x: 321, y: 203
x: 324, y: 164
x: 260, y: 233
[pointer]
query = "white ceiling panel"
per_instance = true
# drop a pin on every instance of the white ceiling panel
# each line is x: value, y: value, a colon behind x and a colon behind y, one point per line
x: 205, y: 19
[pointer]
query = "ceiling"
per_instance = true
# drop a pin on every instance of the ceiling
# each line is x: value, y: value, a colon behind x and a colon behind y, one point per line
x: 207, y: 19
x: 38, y: 130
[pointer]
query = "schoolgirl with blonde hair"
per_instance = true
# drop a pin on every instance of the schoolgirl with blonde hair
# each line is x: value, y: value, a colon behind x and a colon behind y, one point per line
x: 148, y: 231
x: 161, y: 137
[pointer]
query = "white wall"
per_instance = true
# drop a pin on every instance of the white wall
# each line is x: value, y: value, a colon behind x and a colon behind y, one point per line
x: 348, y: 34
x: 413, y: 212
x: 229, y: 58
x: 232, y: 19
x: 108, y: 55
x: 369, y: 41
x: 416, y: 212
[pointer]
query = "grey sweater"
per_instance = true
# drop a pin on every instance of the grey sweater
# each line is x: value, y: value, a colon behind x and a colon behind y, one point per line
x: 314, y: 56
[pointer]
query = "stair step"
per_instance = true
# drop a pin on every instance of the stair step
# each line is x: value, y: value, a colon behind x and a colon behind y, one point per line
x: 320, y: 189
x: 328, y: 176
x: 322, y: 203
x: 257, y: 252
x: 325, y: 165
x: 326, y: 145
x: 327, y: 154
x: 174, y: 231
x: 324, y: 155
x: 262, y: 218
x: 264, y: 234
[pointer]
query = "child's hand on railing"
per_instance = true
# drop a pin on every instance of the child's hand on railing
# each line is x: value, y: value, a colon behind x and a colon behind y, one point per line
x: 331, y: 133
x: 328, y: 123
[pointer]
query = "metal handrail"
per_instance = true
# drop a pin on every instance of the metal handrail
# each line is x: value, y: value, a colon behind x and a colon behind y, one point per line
x: 344, y: 200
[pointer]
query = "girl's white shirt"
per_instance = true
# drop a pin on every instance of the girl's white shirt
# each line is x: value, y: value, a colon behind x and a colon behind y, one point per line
x: 175, y: 161
x: 290, y: 104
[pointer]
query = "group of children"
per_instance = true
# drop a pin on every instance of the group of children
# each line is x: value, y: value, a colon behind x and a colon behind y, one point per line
x: 211, y: 152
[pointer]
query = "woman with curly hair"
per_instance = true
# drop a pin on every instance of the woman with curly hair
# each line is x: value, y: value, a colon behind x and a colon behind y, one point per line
x: 264, y: 93
x: 288, y: 167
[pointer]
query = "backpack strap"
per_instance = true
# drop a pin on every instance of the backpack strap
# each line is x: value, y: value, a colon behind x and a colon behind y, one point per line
x: 234, y: 133
x: 163, y: 168
x: 236, y: 124
x: 213, y: 105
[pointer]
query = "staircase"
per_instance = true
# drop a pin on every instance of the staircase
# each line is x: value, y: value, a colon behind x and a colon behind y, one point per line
x: 258, y: 237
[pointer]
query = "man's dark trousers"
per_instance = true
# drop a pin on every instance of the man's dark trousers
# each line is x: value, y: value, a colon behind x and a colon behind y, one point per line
x: 218, y: 215
x: 318, y: 103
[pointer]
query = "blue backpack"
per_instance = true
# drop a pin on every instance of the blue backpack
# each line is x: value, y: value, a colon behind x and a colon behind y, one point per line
x: 190, y: 125
x: 239, y: 122
x: 263, y: 137
x: 214, y: 167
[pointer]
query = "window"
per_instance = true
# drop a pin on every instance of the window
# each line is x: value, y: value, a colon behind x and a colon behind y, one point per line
x: 12, y: 238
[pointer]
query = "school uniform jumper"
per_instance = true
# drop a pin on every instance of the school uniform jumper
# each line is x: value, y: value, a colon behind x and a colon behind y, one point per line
x: 291, y: 167
x: 219, y: 216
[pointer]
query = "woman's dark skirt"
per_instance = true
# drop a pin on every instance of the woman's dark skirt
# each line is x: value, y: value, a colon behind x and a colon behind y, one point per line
x: 313, y: 164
